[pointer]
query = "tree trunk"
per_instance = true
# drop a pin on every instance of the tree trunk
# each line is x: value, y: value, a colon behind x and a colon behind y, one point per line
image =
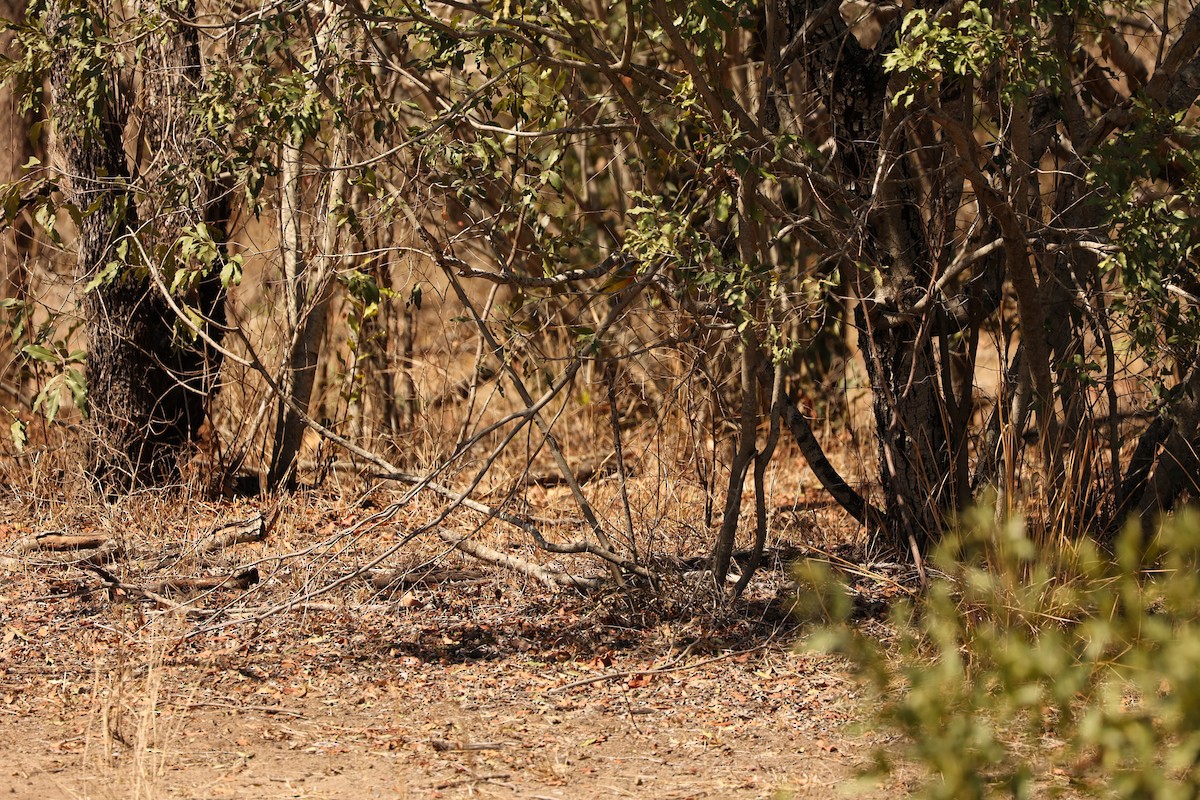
x: 172, y: 73
x: 301, y: 354
x: 140, y: 415
x: 16, y: 240
x: 306, y: 288
x: 307, y: 283
x: 910, y: 430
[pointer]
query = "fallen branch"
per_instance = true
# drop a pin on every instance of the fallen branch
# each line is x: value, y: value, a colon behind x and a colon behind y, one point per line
x: 399, y: 578
x: 106, y: 552
x: 550, y: 577
x: 81, y: 549
x: 477, y: 779
x: 443, y: 746
x: 287, y: 712
x: 243, y: 532
x: 356, y: 608
x: 113, y: 582
x: 250, y: 613
x: 56, y: 542
x: 390, y: 472
x: 242, y: 581
x: 523, y: 523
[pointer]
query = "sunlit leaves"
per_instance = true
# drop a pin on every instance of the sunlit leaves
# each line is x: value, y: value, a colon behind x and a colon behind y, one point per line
x: 931, y: 46
x: 66, y: 377
x: 1150, y: 195
x: 1032, y: 671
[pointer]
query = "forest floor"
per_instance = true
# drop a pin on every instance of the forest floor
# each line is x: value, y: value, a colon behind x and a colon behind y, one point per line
x: 481, y: 684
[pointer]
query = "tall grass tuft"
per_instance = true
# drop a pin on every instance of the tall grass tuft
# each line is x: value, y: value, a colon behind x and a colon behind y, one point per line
x: 1026, y: 673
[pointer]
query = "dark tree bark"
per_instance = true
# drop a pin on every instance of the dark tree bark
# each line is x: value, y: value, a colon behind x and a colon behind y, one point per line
x: 914, y: 454
x: 181, y: 200
x: 141, y: 413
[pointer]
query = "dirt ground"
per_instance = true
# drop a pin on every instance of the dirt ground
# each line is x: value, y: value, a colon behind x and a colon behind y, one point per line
x: 490, y: 686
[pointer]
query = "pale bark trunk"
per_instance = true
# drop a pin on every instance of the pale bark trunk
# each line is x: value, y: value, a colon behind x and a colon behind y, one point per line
x: 16, y: 240
x: 14, y: 134
x: 307, y: 291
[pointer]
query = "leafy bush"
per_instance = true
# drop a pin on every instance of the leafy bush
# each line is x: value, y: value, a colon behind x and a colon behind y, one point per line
x: 1031, y: 671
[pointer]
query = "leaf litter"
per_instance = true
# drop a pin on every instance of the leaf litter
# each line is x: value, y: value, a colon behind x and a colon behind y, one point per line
x: 497, y: 687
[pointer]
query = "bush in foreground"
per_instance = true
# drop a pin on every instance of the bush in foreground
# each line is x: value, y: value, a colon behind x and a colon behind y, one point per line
x: 1033, y: 671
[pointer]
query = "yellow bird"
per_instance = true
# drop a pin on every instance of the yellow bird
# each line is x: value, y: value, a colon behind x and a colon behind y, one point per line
x: 621, y: 278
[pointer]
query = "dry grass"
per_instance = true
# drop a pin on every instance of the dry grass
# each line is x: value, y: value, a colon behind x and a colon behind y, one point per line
x: 129, y: 742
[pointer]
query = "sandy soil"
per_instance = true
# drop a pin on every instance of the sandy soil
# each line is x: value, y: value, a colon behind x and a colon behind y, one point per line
x: 753, y: 729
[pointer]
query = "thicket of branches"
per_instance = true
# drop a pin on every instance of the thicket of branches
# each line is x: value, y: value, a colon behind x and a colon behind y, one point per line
x: 431, y: 231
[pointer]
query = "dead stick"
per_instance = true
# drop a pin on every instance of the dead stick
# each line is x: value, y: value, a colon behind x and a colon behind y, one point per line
x: 550, y: 577
x: 242, y: 580
x: 473, y: 779
x: 397, y: 578
x: 113, y: 582
x: 358, y: 608
x: 236, y: 707
x: 251, y: 530
x: 443, y: 746
x: 69, y: 558
x: 58, y: 542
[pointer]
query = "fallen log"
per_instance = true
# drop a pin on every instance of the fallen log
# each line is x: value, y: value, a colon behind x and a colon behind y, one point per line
x: 555, y: 579
x: 107, y: 552
x: 400, y: 578
x: 57, y: 542
x: 206, y: 583
x: 230, y: 534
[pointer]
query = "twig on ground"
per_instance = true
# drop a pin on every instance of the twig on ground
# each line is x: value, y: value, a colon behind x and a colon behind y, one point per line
x: 551, y: 578
x: 113, y: 582
x: 242, y: 532
x: 358, y: 608
x: 107, y: 551
x: 397, y: 578
x: 287, y: 712
x: 60, y: 542
x: 443, y: 746
x: 473, y: 779
x: 241, y: 580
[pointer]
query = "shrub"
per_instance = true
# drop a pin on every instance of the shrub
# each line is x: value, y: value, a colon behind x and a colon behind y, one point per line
x: 1032, y: 671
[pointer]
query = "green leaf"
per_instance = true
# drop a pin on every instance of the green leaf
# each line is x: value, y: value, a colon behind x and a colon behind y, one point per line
x: 40, y: 353
x: 19, y: 435
x: 231, y: 271
x: 106, y: 275
x: 49, y: 398
x: 76, y: 384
